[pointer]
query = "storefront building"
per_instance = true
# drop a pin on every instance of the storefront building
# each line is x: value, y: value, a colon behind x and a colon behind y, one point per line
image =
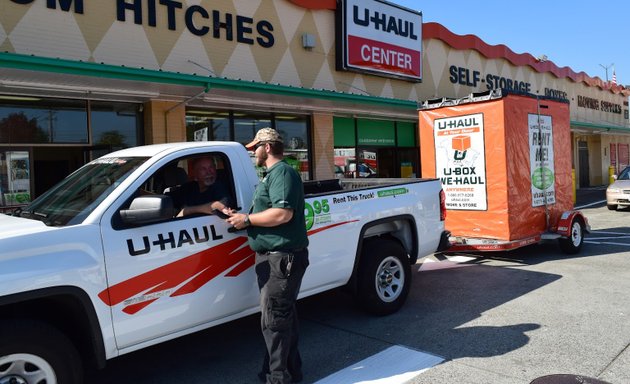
x: 600, y: 129
x: 340, y: 80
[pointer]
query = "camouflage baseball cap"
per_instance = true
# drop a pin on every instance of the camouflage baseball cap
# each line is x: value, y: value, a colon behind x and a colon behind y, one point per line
x: 264, y: 135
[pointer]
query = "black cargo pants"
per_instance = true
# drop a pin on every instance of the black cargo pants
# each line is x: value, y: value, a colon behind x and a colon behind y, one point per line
x: 279, y: 278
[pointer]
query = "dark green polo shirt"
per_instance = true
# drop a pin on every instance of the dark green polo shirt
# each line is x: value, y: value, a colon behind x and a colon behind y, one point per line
x: 280, y: 188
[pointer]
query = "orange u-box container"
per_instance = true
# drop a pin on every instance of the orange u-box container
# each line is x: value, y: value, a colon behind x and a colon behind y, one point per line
x: 505, y: 165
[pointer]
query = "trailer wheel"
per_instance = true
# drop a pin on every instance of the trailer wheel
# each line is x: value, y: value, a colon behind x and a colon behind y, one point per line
x: 612, y: 207
x: 33, y: 353
x: 384, y: 277
x: 573, y: 243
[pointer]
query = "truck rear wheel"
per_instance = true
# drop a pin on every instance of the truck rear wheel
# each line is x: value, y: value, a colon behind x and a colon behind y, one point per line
x: 384, y: 277
x: 35, y: 353
x: 573, y: 243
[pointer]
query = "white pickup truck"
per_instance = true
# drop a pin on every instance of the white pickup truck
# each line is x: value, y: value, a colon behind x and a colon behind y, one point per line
x: 99, y: 266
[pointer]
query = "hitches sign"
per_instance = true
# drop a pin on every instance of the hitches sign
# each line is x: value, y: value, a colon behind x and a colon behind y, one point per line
x: 460, y: 161
x: 380, y: 38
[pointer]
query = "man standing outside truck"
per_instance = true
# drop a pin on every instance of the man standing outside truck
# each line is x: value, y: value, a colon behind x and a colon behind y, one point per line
x: 276, y: 229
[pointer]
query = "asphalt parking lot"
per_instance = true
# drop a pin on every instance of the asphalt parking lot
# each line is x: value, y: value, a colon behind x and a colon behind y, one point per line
x: 507, y: 317
x: 548, y: 314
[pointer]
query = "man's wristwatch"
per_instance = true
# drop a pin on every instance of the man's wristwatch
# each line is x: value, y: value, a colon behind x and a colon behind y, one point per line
x: 246, y: 221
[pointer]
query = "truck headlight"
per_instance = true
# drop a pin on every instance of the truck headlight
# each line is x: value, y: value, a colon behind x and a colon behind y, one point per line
x: 614, y: 190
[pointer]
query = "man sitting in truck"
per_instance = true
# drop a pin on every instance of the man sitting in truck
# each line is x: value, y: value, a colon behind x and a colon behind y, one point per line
x: 204, y: 194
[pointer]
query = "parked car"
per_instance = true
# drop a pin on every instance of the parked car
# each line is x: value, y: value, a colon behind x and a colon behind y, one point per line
x: 365, y: 170
x: 339, y: 173
x: 618, y: 193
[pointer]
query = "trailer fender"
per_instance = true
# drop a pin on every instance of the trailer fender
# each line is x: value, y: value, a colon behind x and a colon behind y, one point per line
x: 567, y: 217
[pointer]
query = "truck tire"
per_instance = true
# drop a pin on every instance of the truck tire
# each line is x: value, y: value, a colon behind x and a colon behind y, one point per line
x: 612, y: 207
x: 573, y: 243
x: 33, y: 352
x: 384, y: 277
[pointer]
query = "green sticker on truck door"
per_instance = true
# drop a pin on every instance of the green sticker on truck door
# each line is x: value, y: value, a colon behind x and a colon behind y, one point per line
x: 392, y: 192
x: 316, y: 212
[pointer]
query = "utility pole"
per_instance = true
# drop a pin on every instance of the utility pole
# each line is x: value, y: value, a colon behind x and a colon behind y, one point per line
x: 606, y: 68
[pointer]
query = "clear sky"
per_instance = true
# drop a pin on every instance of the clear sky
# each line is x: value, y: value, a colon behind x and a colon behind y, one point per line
x: 580, y: 34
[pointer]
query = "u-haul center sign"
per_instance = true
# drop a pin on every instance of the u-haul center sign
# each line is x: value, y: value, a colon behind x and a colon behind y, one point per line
x: 381, y: 38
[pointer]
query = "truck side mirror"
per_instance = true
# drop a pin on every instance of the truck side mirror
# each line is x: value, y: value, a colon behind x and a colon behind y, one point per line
x: 148, y: 209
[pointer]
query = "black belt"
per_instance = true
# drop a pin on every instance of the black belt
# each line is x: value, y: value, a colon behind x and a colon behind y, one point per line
x: 295, y: 250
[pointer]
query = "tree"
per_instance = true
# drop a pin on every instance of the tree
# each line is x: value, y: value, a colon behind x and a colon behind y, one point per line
x: 17, y: 128
x: 114, y: 139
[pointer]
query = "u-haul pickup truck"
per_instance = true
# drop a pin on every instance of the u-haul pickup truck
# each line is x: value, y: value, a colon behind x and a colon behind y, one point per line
x: 99, y: 266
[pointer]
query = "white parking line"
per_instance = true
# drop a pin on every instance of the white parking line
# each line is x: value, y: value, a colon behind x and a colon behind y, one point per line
x: 599, y: 238
x: 453, y: 262
x: 609, y: 233
x: 590, y: 204
x: 394, y: 365
x: 608, y: 237
x: 605, y: 242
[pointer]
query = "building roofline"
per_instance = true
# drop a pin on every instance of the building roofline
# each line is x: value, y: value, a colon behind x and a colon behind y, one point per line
x: 462, y: 42
x: 433, y: 30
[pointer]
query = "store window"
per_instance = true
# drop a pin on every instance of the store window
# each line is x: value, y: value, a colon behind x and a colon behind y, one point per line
x: 294, y: 131
x: 47, y: 139
x: 43, y: 121
x: 115, y: 124
x: 383, y: 148
x: 407, y: 150
x: 59, y: 121
x: 15, y: 178
x: 247, y: 124
x: 202, y: 125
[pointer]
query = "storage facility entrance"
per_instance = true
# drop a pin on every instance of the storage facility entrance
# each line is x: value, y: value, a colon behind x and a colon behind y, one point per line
x: 583, y: 163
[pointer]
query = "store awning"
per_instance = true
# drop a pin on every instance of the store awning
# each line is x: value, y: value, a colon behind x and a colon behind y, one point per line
x: 593, y: 128
x: 24, y: 75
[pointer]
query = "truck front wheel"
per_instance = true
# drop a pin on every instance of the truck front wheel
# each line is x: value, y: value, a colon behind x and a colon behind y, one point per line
x: 384, y: 277
x: 35, y: 353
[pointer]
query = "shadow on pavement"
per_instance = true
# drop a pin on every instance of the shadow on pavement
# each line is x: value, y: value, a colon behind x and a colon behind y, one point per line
x: 439, y: 317
x: 335, y: 333
x: 546, y: 251
x: 434, y: 319
x: 223, y: 354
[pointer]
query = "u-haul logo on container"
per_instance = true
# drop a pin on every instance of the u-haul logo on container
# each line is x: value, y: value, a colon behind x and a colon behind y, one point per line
x: 382, y: 38
x: 460, y: 161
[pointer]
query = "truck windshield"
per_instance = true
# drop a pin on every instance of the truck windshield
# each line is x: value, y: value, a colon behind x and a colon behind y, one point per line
x: 72, y: 200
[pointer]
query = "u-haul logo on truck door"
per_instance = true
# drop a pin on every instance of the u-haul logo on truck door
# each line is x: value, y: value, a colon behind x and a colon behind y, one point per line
x: 187, y: 275
x: 169, y: 240
x: 181, y: 277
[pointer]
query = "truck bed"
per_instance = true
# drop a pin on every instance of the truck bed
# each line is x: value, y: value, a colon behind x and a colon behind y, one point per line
x: 322, y: 187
